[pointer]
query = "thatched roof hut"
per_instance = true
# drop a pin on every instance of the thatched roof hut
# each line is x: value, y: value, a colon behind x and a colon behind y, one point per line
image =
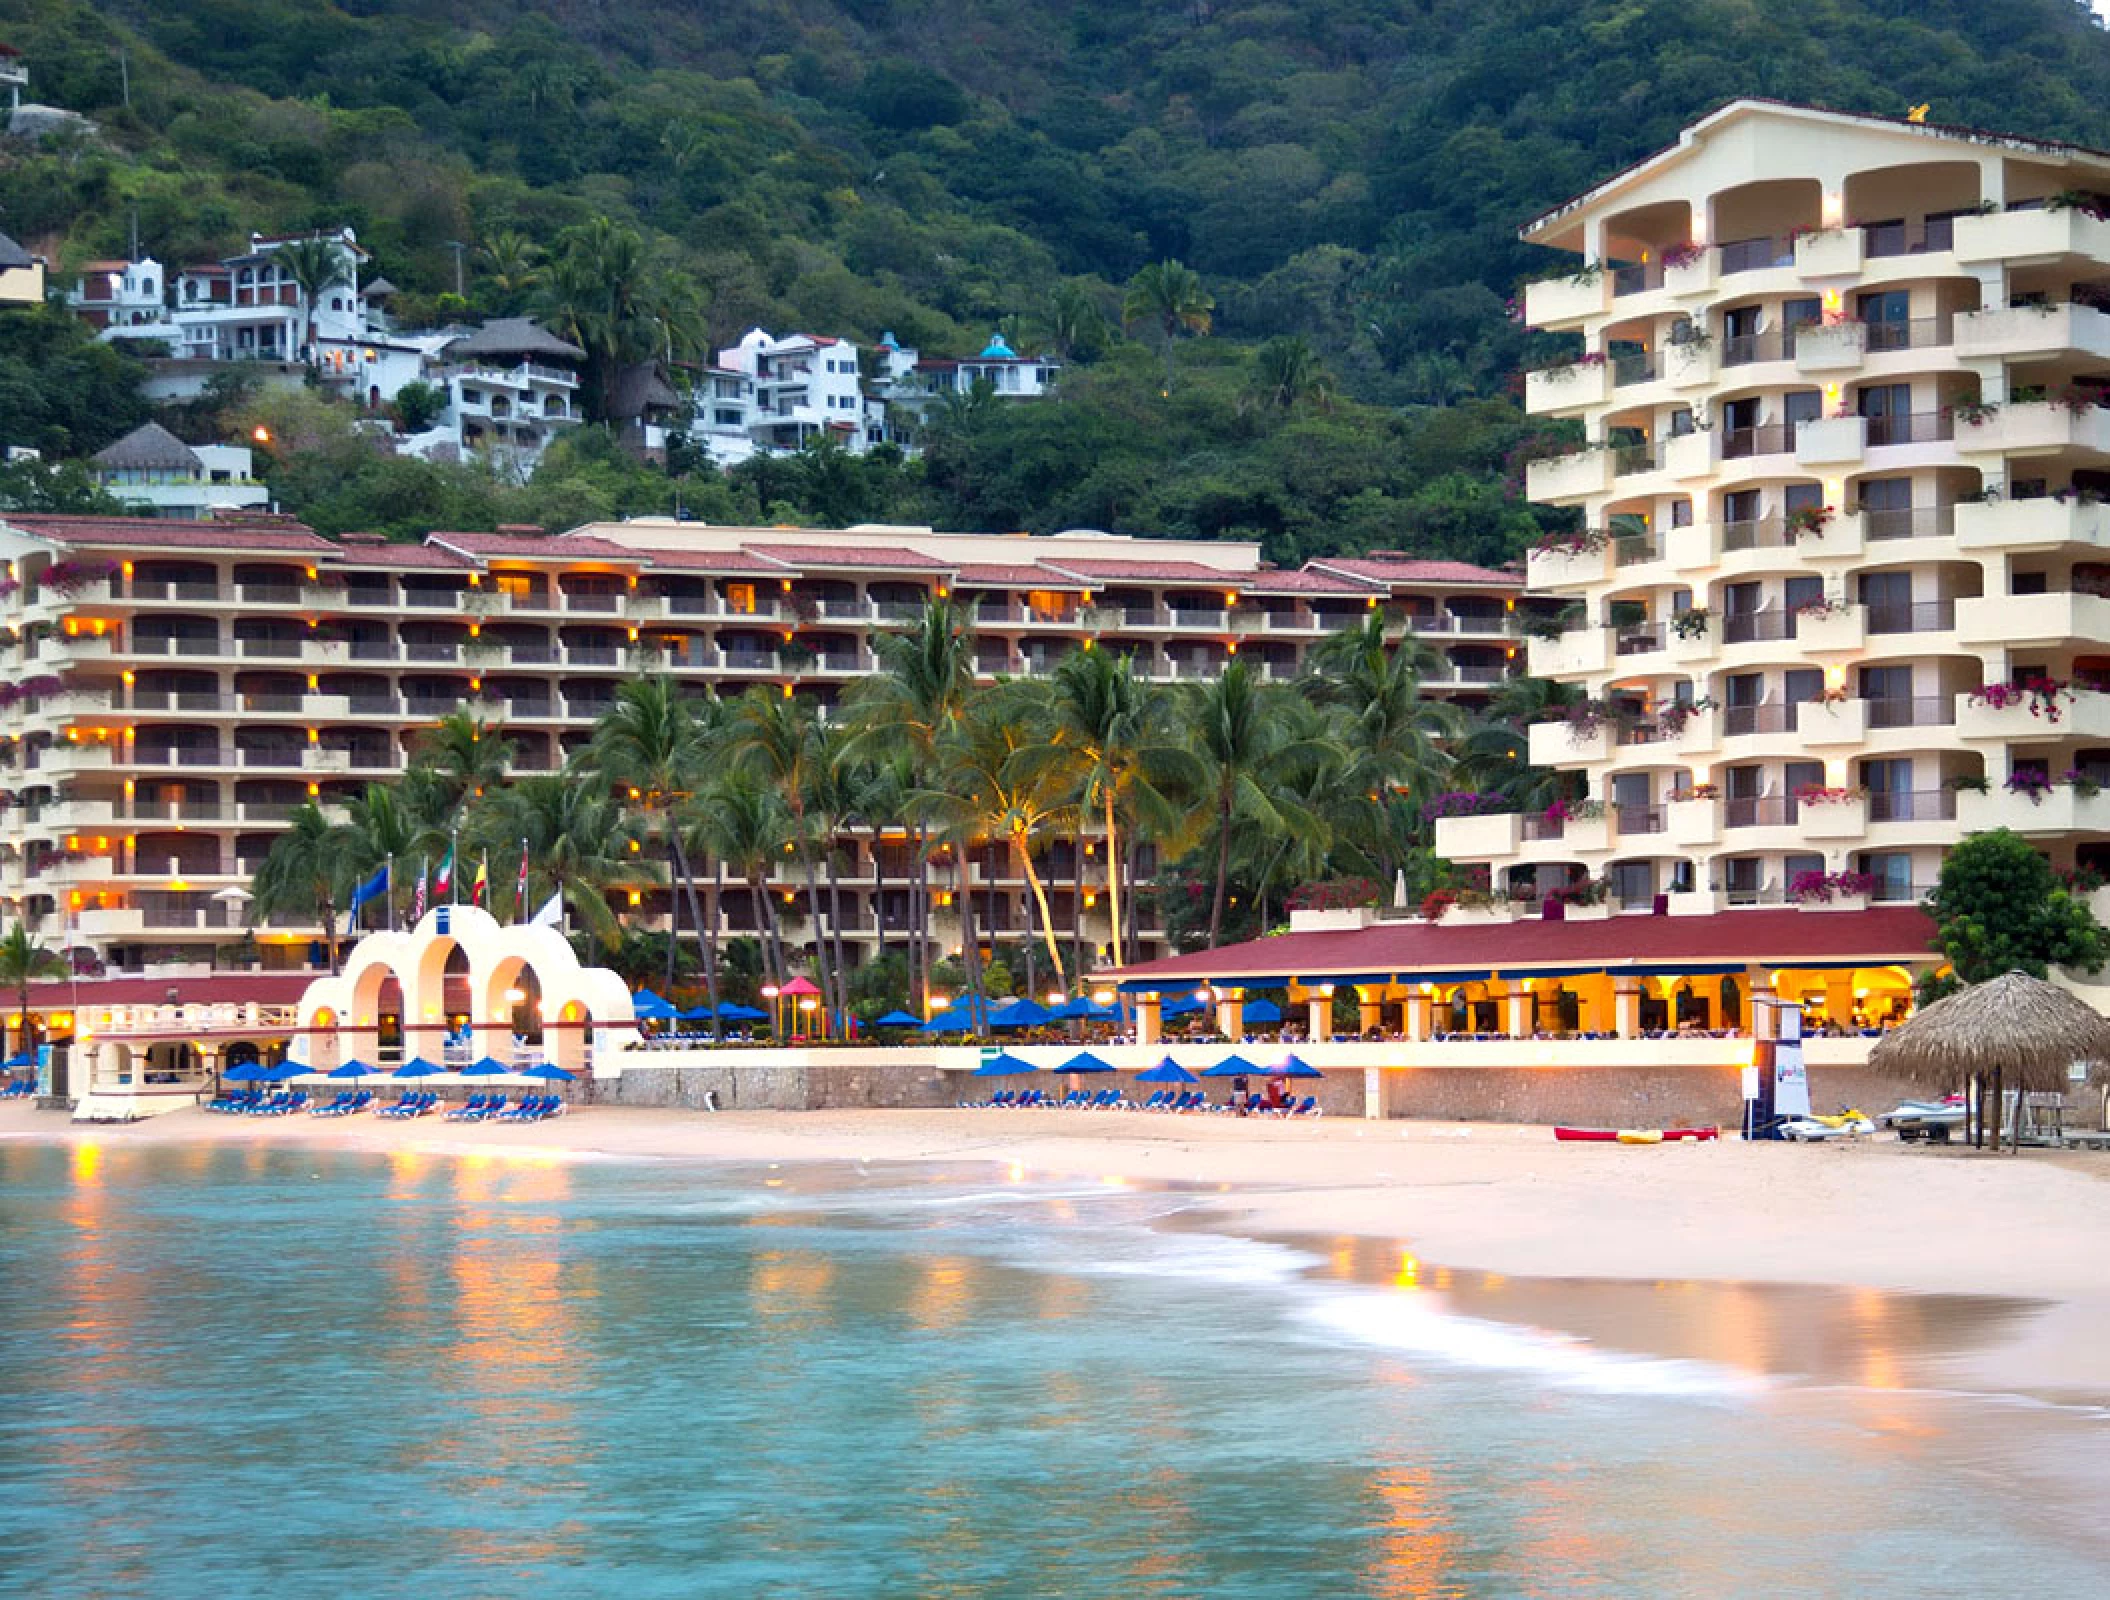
x: 2013, y: 1030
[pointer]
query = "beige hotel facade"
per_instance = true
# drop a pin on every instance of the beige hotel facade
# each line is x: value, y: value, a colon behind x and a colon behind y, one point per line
x: 1843, y: 591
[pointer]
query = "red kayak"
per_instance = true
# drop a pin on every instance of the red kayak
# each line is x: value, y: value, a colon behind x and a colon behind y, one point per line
x: 1632, y: 1136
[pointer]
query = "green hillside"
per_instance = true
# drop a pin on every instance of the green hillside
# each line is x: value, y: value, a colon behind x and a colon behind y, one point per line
x: 1349, y: 173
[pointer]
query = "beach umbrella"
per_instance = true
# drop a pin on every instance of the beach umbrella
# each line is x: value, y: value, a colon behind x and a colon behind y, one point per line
x: 733, y: 1011
x: 352, y: 1069
x: 21, y: 1059
x: 2013, y: 1027
x: 697, y: 1014
x: 649, y: 1007
x: 896, y: 1019
x: 1292, y: 1067
x: 418, y: 1067
x: 1262, y: 1011
x: 954, y: 1018
x: 1235, y: 1067
x: 549, y: 1070
x: 1085, y: 1061
x: 246, y: 1072
x: 644, y: 997
x: 284, y: 1072
x: 1004, y: 1065
x: 1020, y: 1013
x: 798, y: 988
x: 1185, y: 1006
x: 1167, y: 1071
x: 488, y: 1067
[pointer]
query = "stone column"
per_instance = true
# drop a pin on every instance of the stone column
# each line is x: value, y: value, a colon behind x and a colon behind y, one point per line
x: 1320, y: 1006
x: 1373, y: 1094
x: 1147, y: 1019
x: 1517, y: 1005
x: 1230, y: 1017
x: 1418, y: 1008
x: 1369, y: 1013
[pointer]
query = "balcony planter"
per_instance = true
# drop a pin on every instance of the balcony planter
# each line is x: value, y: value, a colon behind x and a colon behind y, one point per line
x: 1569, y: 563
x: 1838, y: 902
x: 1693, y: 822
x: 1842, y: 534
x: 1690, y: 365
x: 1831, y: 347
x: 1831, y: 253
x: 1842, y: 630
x: 1696, y: 902
x: 1572, y: 387
x: 1690, y: 272
x: 1558, y: 744
x: 1552, y: 302
x: 1831, y: 441
x: 1838, y: 819
x: 1484, y: 837
x: 1696, y: 646
x: 1692, y: 455
x: 1481, y: 916
x: 1570, y: 477
x: 1602, y: 912
x: 1823, y: 723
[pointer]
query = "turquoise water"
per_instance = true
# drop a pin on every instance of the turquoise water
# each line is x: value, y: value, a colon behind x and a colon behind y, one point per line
x: 229, y: 1373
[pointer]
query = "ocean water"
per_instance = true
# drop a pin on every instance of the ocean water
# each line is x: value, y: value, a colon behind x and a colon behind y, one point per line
x: 268, y: 1372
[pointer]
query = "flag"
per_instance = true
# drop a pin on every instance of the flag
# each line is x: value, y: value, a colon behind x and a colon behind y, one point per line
x: 550, y: 914
x: 443, y: 885
x: 520, y: 897
x: 482, y: 885
x: 417, y: 899
x: 372, y: 889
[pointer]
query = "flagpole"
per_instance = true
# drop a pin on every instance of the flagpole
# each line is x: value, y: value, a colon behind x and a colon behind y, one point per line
x: 390, y: 891
x: 454, y: 876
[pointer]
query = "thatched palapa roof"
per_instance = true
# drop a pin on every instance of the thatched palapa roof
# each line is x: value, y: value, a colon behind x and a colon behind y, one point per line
x: 2029, y: 1031
x: 147, y: 448
x: 514, y: 336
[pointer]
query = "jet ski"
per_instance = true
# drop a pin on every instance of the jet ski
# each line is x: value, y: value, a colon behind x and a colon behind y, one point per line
x: 1814, y: 1129
x: 1929, y: 1120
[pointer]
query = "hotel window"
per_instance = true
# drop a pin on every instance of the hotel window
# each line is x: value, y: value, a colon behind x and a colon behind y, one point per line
x: 517, y: 586
x: 740, y: 597
x: 1892, y: 871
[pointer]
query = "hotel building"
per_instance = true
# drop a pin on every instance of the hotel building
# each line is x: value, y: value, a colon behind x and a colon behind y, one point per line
x: 1842, y: 593
x: 179, y: 688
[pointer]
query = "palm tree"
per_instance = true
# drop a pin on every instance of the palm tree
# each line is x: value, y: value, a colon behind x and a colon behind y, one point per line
x: 22, y: 960
x: 1237, y: 734
x: 779, y: 740
x: 596, y: 295
x: 302, y: 875
x: 466, y: 755
x: 743, y: 822
x: 919, y: 692
x: 1494, y: 755
x: 315, y: 265
x: 1396, y: 737
x: 515, y: 266
x: 1073, y: 322
x: 652, y: 747
x: 578, y: 842
x: 383, y: 829
x: 1168, y: 297
x: 1287, y: 371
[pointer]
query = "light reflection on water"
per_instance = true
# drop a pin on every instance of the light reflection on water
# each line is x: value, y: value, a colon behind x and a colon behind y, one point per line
x: 265, y: 1372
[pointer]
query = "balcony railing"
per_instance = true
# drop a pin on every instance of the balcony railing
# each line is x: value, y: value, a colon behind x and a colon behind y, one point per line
x: 1632, y: 549
x: 1915, y: 333
x: 1768, y: 344
x: 1760, y: 811
x: 1779, y: 716
x: 1931, y: 237
x: 1638, y: 278
x: 1889, y: 891
x: 1537, y: 825
x: 1758, y: 627
x: 1911, y: 805
x: 1911, y: 522
x: 1638, y: 819
x: 1910, y: 427
x: 1753, y: 255
x: 1640, y: 639
x: 1636, y: 366
x: 1920, y: 616
x: 1645, y: 455
x: 1761, y: 439
x: 1766, y: 533
x: 1913, y: 711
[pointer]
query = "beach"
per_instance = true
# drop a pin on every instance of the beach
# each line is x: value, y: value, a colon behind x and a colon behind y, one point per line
x: 2001, y: 1254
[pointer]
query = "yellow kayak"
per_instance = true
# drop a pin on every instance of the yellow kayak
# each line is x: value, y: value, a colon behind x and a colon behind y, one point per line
x: 1640, y: 1135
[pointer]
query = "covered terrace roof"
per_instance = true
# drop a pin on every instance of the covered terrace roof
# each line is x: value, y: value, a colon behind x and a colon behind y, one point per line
x: 1410, y: 951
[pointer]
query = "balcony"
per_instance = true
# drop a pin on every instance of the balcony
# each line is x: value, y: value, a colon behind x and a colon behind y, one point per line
x: 1570, y: 477
x: 1917, y: 616
x: 1558, y: 744
x: 1834, y: 253
x: 1689, y: 364
x: 2084, y: 716
x: 2033, y: 332
x: 1690, y: 824
x: 1831, y: 347
x: 2056, y: 620
x: 1829, y: 724
x: 1841, y: 630
x: 2057, y: 811
x: 1573, y: 386
x: 1886, y: 806
x: 1687, y: 456
x: 1832, y: 820
x: 2030, y: 526
x: 2036, y: 234
x: 1886, y: 526
x: 1568, y: 302
x: 2035, y: 427
x: 1483, y: 838
x: 1911, y: 711
x: 1832, y: 441
x: 1580, y: 652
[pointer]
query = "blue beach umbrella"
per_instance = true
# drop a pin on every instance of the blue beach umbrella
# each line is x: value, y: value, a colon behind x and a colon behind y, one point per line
x: 285, y: 1072
x: 418, y: 1067
x: 651, y: 1008
x: 488, y: 1067
x: 353, y: 1069
x: 735, y: 1012
x: 551, y: 1071
x: 1235, y: 1067
x: 1167, y: 1071
x: 1186, y: 1006
x: 697, y: 1014
x: 895, y: 1019
x: 1294, y: 1068
x: 1020, y: 1013
x: 246, y: 1072
x: 1262, y: 1011
x: 1004, y: 1065
x: 20, y: 1059
x: 1085, y: 1061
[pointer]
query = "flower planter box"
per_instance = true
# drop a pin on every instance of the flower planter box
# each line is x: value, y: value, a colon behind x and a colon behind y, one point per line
x: 1575, y: 387
x: 1552, y: 302
x: 1478, y: 838
x: 1693, y: 822
x: 1831, y: 441
x: 1841, y: 819
x: 1834, y: 347
x: 1834, y: 633
x: 1823, y: 723
x: 1689, y: 366
x: 1596, y: 913
x: 1838, y: 902
x: 1834, y: 254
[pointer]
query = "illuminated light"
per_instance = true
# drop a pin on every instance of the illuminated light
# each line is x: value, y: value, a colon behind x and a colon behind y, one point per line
x: 476, y: 630
x: 1056, y: 997
x: 261, y: 434
x: 636, y: 899
x: 1205, y: 995
x: 1326, y: 989
x: 476, y: 684
x: 770, y: 991
x: 1231, y: 597
x: 1231, y: 648
x: 635, y: 847
x: 1102, y: 997
x: 314, y: 789
x: 127, y: 568
x: 939, y: 1002
x: 128, y: 677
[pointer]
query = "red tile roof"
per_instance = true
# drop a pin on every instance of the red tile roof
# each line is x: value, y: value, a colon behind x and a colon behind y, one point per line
x: 713, y: 561
x: 146, y: 533
x: 1410, y: 569
x: 533, y: 546
x: 1147, y: 571
x: 1773, y: 938
x: 398, y: 555
x: 266, y: 988
x: 851, y: 555
x: 1027, y: 576
x: 1308, y: 581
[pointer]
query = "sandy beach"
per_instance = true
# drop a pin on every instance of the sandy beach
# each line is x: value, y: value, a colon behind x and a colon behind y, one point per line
x: 2003, y: 1255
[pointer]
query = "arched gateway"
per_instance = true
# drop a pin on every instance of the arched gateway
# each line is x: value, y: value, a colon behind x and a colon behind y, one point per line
x: 460, y: 976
